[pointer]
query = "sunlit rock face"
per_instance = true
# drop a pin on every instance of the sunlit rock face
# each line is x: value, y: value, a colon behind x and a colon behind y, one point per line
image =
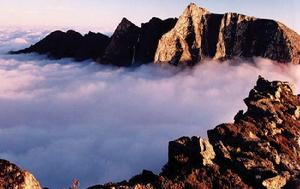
x: 12, y: 177
x: 199, y: 34
x: 259, y: 150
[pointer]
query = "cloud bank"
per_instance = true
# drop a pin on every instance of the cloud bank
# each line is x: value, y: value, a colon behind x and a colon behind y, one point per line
x: 63, y: 120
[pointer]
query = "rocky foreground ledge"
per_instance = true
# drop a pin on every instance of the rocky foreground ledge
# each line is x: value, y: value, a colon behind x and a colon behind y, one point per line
x: 261, y: 149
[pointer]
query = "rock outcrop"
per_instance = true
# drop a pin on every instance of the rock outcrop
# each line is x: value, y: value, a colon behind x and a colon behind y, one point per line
x: 12, y: 177
x: 261, y: 149
x: 70, y: 44
x: 199, y: 34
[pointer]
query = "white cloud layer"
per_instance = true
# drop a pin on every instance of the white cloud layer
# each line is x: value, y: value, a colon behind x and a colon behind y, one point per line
x: 64, y: 120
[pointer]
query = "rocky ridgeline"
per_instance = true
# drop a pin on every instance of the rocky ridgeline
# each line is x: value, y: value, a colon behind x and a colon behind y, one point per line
x: 12, y: 177
x: 128, y: 45
x: 199, y: 34
x: 261, y: 149
x: 196, y: 35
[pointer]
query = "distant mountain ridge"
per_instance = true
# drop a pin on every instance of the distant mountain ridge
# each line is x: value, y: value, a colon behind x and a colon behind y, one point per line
x: 195, y: 36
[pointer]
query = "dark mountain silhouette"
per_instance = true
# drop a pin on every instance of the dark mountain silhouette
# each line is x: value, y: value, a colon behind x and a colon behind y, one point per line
x: 122, y: 47
x: 72, y: 44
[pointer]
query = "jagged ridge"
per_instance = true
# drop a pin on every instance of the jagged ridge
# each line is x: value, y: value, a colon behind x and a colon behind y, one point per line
x: 196, y: 35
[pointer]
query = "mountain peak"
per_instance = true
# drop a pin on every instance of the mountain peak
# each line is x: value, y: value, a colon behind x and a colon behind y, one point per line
x: 121, y: 49
x: 192, y: 7
x: 124, y: 25
x: 127, y: 22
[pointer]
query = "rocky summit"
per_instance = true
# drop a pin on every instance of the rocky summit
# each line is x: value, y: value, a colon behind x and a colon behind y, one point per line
x: 12, y: 177
x: 261, y: 149
x: 199, y: 34
x: 195, y: 36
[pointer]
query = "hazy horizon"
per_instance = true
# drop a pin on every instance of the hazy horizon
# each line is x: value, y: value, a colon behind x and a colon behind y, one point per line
x: 104, y: 16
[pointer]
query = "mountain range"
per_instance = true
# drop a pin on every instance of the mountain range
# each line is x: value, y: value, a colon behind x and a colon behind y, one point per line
x: 195, y: 36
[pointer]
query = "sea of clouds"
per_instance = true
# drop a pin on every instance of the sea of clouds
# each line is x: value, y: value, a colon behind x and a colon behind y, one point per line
x: 62, y: 119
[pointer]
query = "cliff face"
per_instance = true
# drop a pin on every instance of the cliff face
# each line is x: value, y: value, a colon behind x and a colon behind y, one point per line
x: 199, y: 34
x: 261, y: 149
x: 12, y: 177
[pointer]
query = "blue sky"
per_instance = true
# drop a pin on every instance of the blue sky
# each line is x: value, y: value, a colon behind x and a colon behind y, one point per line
x: 107, y: 14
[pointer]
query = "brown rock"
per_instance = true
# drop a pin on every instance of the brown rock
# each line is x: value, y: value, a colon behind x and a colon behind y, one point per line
x: 275, y: 182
